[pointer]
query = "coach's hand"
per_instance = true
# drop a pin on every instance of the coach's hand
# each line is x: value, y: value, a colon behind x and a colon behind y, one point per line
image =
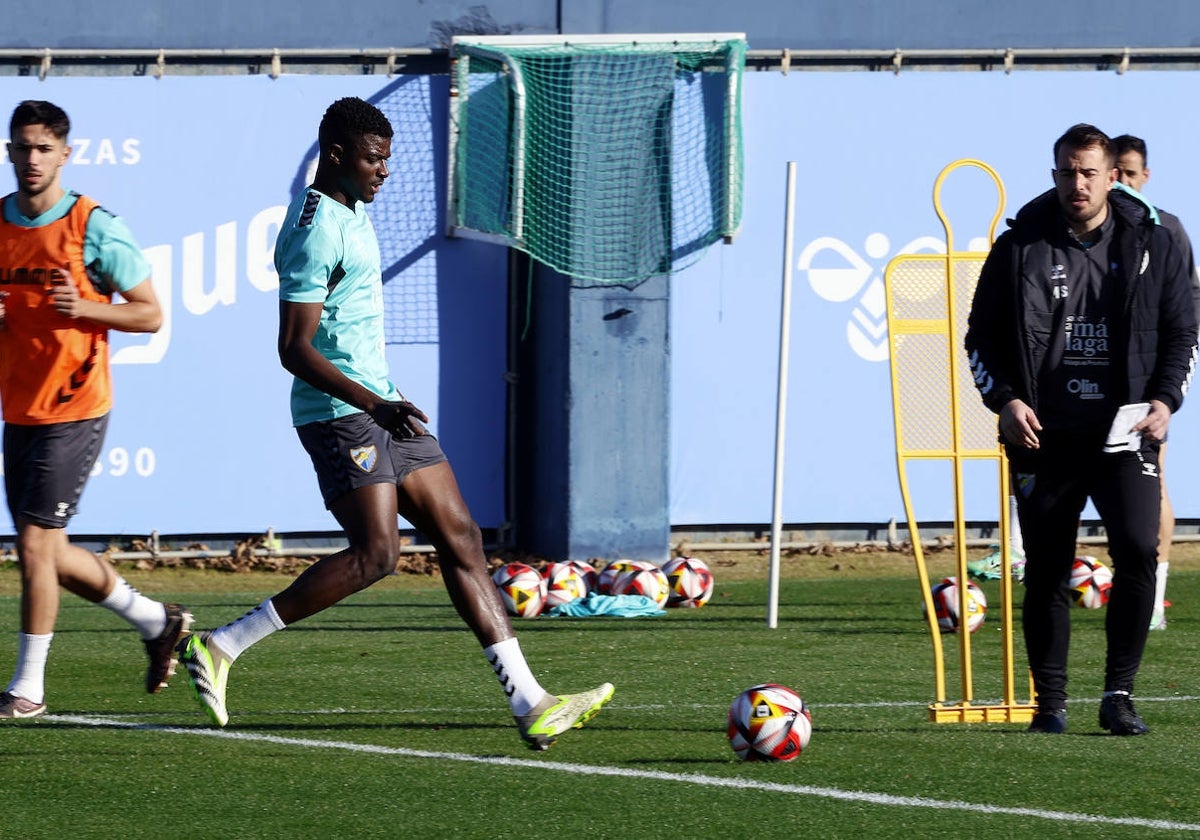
x: 1154, y: 425
x: 402, y: 418
x: 1019, y: 425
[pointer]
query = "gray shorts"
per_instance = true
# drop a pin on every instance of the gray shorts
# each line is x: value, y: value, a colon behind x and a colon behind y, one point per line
x: 46, y: 468
x: 354, y: 451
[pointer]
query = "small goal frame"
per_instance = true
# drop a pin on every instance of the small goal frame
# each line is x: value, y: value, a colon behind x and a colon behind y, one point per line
x: 465, y: 48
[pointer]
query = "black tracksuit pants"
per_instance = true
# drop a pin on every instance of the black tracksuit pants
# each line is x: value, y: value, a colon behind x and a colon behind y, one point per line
x: 1052, y: 485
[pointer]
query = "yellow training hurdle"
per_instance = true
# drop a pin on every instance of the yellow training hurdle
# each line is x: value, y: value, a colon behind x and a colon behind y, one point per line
x: 940, y: 417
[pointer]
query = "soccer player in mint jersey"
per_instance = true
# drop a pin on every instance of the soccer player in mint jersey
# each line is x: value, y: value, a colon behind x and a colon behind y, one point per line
x: 62, y: 258
x: 373, y: 457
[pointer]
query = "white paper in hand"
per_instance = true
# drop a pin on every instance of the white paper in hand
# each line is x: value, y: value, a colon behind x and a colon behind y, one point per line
x: 1121, y: 438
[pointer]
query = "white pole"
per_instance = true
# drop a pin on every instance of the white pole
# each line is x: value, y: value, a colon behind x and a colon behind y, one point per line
x: 781, y: 399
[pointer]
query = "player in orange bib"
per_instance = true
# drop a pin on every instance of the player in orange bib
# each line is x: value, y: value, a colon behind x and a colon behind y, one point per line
x: 62, y: 258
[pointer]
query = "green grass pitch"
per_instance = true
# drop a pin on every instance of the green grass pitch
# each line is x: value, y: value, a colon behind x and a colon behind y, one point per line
x: 381, y: 718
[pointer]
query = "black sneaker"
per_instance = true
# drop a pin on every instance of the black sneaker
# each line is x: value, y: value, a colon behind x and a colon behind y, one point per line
x: 1119, y: 717
x: 1052, y: 722
x: 161, y: 650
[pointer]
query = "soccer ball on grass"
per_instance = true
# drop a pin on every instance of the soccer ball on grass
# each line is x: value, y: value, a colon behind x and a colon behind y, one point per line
x: 522, y: 589
x: 564, y: 584
x: 945, y: 606
x: 1091, y: 582
x: 609, y: 574
x: 768, y: 722
x: 591, y: 579
x: 643, y: 578
x: 689, y: 580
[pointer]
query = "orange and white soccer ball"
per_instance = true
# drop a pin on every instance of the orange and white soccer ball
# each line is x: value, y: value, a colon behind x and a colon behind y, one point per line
x: 690, y: 582
x: 768, y: 722
x: 945, y: 606
x: 1091, y: 582
x: 564, y: 584
x: 522, y: 589
x: 609, y: 574
x: 591, y: 578
x: 645, y: 579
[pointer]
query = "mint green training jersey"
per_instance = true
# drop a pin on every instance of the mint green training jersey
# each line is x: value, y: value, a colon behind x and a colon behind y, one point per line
x: 327, y: 253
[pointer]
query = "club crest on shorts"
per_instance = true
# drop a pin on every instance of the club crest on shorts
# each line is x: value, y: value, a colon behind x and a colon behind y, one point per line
x: 1025, y: 484
x: 365, y: 457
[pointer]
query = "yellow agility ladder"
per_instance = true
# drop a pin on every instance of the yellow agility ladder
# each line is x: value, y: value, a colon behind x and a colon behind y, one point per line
x: 939, y: 416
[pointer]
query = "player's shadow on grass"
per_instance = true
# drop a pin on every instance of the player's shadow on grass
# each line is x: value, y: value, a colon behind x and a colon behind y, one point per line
x: 682, y: 762
x: 382, y: 628
x: 121, y: 632
x: 198, y: 724
x: 245, y: 606
x: 870, y: 730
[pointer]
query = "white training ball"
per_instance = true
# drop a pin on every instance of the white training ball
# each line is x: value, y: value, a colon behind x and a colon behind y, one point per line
x: 646, y: 580
x: 609, y: 574
x: 564, y: 584
x: 768, y: 722
x: 945, y: 605
x: 591, y: 578
x: 521, y: 588
x: 1091, y: 582
x: 689, y: 581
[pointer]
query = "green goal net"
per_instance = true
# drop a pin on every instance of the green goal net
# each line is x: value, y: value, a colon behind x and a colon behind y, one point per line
x: 610, y: 159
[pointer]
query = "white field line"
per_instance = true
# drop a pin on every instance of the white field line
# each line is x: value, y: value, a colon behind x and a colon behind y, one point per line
x: 650, y: 775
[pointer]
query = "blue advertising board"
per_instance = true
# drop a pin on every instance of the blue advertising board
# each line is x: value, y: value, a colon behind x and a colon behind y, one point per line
x: 203, y: 167
x: 869, y: 147
x: 200, y: 438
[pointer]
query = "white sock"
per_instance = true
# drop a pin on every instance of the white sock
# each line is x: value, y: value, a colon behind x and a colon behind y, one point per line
x: 523, y: 690
x: 1160, y: 586
x: 1016, y: 542
x: 146, y: 614
x: 29, y: 678
x: 254, y: 626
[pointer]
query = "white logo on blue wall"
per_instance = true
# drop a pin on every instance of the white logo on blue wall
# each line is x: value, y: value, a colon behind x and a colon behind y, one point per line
x: 839, y: 274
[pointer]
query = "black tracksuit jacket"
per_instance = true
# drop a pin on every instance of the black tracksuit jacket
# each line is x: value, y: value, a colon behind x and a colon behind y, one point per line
x: 1007, y: 336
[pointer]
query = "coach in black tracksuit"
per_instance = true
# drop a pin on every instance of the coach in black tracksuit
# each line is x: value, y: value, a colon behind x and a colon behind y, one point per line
x: 1083, y: 306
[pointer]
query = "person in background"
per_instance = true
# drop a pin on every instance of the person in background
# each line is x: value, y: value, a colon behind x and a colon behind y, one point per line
x: 62, y: 259
x: 1133, y: 171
